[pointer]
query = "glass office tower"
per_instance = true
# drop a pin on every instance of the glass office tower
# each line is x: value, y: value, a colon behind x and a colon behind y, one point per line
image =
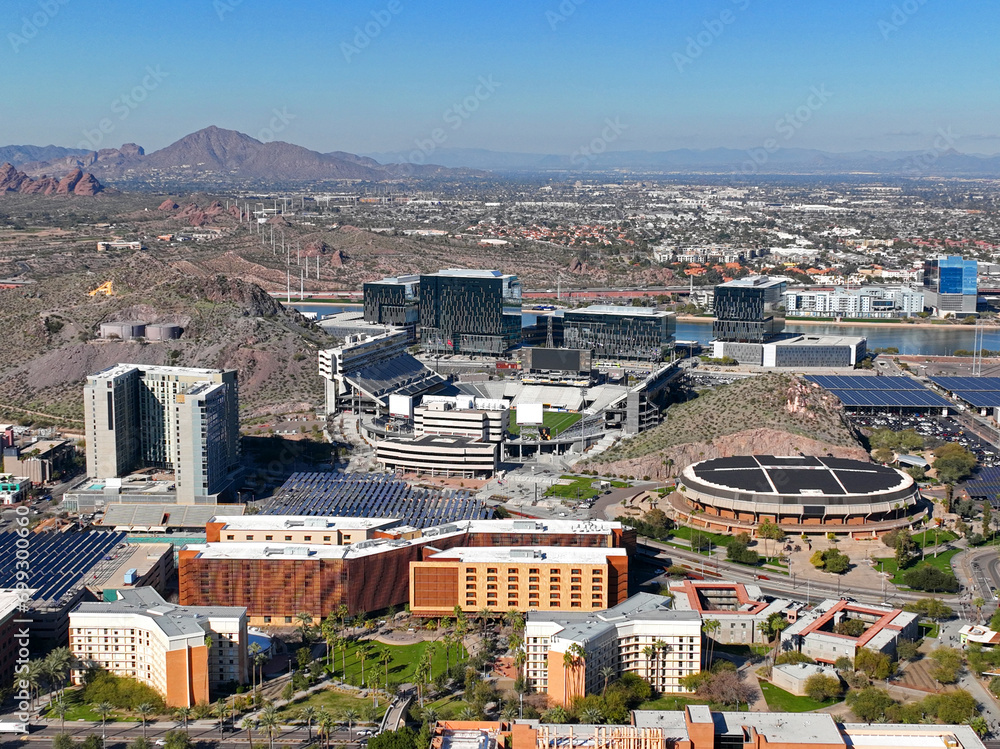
x: 469, y: 311
x: 749, y: 310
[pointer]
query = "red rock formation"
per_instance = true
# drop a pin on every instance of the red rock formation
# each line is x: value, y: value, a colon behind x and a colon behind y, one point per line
x: 11, y: 179
x: 337, y: 259
x: 75, y: 183
x: 168, y: 205
x: 68, y: 183
x: 88, y: 186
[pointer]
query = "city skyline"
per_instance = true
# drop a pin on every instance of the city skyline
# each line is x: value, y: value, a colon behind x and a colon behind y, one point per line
x: 537, y: 78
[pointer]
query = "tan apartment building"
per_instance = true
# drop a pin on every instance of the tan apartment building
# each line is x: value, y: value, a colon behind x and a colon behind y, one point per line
x: 182, y: 652
x: 295, y: 529
x: 521, y: 578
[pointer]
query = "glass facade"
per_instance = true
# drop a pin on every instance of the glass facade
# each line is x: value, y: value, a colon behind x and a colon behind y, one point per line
x: 749, y: 310
x: 392, y: 301
x: 470, y: 312
x: 952, y: 275
x: 620, y: 332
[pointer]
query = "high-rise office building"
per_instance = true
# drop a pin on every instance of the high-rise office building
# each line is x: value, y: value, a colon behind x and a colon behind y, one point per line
x: 392, y: 301
x: 470, y: 311
x: 951, y: 285
x: 749, y: 310
x: 175, y: 418
x: 620, y: 332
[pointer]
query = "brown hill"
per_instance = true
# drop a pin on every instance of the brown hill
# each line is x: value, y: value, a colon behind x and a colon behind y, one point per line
x: 227, y: 323
x: 768, y: 415
x: 74, y: 183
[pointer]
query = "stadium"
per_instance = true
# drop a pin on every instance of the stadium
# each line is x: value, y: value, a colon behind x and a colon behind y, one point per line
x: 802, y: 494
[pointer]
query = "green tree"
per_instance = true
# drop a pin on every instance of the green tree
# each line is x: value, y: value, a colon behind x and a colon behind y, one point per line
x: 876, y: 664
x: 104, y: 710
x: 906, y: 650
x: 770, y: 531
x: 308, y: 715
x: 953, y: 463
x: 269, y: 723
x: 948, y: 664
x: 931, y: 579
x: 870, y: 704
x: 63, y: 741
x: 822, y: 688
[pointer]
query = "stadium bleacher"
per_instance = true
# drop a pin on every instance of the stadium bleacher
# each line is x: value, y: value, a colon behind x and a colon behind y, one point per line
x: 400, y: 375
x: 372, y: 496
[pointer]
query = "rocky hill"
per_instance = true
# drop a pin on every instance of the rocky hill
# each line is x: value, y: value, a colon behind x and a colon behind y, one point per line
x: 74, y: 183
x: 49, y: 345
x: 227, y: 155
x: 771, y: 415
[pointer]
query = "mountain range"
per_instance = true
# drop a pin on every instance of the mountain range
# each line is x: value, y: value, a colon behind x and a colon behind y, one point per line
x: 947, y: 162
x: 216, y: 155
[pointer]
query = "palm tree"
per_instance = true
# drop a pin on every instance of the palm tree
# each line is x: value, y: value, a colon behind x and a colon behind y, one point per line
x: 305, y: 623
x: 520, y: 659
x: 509, y: 712
x: 145, y: 710
x: 183, y: 714
x: 420, y: 675
x: 385, y: 657
x: 59, y: 707
x: 606, y: 673
x: 253, y: 651
x: 710, y: 627
x: 326, y: 723
x: 221, y: 711
x: 468, y: 713
x: 571, y: 659
x: 57, y: 665
x: 350, y: 716
x: 259, y: 660
x: 328, y: 629
x: 33, y: 676
x: 308, y: 714
x: 248, y: 724
x: 592, y: 715
x: 268, y: 721
x: 103, y: 709
x: 363, y: 651
x: 430, y: 716
x: 650, y: 652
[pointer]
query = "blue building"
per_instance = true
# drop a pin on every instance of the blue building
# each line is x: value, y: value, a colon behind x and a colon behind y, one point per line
x: 951, y: 285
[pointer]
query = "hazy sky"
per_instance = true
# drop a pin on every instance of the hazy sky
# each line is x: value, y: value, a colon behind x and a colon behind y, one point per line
x: 515, y: 75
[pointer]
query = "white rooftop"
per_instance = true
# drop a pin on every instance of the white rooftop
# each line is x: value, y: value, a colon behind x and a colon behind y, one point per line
x: 526, y: 554
x: 618, y: 309
x: 304, y: 522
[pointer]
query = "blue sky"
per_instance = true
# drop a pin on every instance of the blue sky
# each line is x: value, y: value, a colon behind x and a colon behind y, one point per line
x: 540, y: 76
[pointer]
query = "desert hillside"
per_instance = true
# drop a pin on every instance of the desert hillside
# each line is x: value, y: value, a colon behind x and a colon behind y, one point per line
x: 774, y: 414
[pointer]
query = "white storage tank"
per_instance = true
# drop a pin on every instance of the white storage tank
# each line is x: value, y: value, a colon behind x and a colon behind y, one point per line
x: 163, y: 332
x: 123, y: 330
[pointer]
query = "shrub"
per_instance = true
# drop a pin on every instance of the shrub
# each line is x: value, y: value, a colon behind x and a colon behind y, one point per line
x: 122, y: 692
x: 822, y: 688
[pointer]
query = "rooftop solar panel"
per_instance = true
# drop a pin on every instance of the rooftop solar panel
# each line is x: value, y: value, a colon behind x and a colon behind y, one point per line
x: 979, y: 398
x: 967, y: 383
x: 864, y: 382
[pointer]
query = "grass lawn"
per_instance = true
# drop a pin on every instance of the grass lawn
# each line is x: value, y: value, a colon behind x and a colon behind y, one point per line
x: 745, y: 650
x: 671, y: 702
x: 556, y: 421
x: 449, y: 708
x: 780, y: 701
x: 334, y: 703
x: 941, y: 561
x: 582, y: 488
x: 929, y: 629
x: 77, y: 709
x: 927, y: 537
x: 685, y: 532
x: 405, y: 659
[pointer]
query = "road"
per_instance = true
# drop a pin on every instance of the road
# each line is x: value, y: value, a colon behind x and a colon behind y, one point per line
x: 200, y: 731
x: 782, y: 585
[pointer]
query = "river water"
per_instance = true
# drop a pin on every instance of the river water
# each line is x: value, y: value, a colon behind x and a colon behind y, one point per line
x: 941, y: 340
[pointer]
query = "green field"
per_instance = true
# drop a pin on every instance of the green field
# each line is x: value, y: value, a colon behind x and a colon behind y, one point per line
x: 556, y: 421
x: 927, y: 538
x: 780, y: 701
x: 941, y: 561
x: 405, y: 659
x: 333, y: 702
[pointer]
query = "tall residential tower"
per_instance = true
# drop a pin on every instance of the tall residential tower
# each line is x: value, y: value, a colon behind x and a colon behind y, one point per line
x: 175, y: 418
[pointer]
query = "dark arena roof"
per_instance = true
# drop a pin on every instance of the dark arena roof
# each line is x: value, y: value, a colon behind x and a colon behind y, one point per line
x: 803, y: 476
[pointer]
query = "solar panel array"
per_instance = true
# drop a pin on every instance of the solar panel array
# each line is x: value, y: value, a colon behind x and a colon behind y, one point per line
x: 57, y: 562
x: 980, y: 392
x: 880, y: 392
x: 372, y: 495
x: 986, y: 485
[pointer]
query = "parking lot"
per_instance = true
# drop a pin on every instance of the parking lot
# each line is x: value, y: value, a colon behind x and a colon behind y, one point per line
x: 935, y: 429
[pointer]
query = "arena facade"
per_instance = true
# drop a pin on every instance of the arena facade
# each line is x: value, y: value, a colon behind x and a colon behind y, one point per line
x: 802, y: 494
